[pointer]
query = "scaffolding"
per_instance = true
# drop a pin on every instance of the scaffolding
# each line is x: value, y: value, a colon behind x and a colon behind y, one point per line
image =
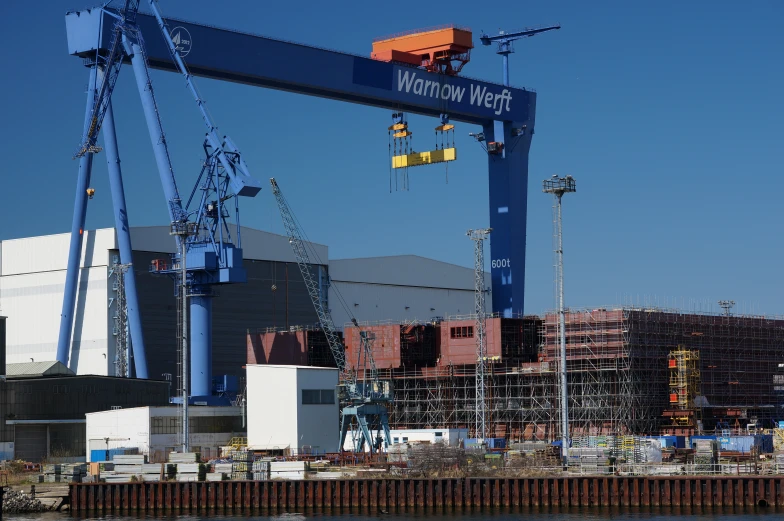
x: 618, y: 361
x: 619, y: 375
x: 683, y: 365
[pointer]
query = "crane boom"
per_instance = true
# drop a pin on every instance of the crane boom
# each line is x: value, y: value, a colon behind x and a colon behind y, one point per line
x: 316, y: 296
x: 365, y: 414
x: 242, y: 183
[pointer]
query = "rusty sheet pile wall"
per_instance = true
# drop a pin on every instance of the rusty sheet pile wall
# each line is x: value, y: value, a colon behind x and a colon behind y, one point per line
x: 388, y: 494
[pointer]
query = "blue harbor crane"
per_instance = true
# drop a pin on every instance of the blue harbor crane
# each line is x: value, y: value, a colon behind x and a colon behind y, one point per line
x: 211, y: 251
x: 364, y: 410
x: 505, y: 42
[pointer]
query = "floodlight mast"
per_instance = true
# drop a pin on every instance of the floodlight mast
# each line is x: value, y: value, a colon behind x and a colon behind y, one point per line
x: 558, y: 186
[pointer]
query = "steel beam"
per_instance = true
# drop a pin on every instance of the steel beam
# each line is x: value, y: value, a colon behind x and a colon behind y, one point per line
x: 77, y: 235
x: 124, y: 240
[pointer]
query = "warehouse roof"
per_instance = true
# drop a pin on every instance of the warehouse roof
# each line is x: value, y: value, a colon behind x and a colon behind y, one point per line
x: 404, y: 270
x: 37, y: 369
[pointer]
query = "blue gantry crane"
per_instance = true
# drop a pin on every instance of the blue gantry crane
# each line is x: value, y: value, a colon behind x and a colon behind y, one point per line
x: 505, y: 114
x: 203, y: 227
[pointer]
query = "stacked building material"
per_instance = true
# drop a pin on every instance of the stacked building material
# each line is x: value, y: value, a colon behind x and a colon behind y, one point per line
x: 589, y: 460
x: 191, y: 472
x: 242, y: 465
x: 185, y: 466
x: 63, y: 473
x: 779, y: 463
x: 705, y: 455
x: 152, y: 472
x: 261, y: 469
x: 127, y: 467
x: 219, y: 471
x: 288, y: 469
x: 50, y: 473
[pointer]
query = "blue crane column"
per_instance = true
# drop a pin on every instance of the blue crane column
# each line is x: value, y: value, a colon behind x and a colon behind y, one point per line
x: 201, y: 344
x: 200, y: 305
x: 509, y: 191
x: 124, y: 240
x: 77, y: 231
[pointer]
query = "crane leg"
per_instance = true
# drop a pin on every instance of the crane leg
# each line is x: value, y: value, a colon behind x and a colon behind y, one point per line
x: 345, y: 423
x: 508, y: 209
x: 201, y: 345
x: 123, y: 239
x: 77, y: 231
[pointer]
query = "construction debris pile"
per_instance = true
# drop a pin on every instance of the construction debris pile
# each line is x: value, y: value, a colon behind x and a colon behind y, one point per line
x: 21, y: 503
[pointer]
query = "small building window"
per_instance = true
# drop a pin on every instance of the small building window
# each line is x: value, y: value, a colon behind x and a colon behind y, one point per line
x: 395, y: 440
x: 405, y: 439
x: 462, y: 332
x: 439, y: 434
x: 318, y: 396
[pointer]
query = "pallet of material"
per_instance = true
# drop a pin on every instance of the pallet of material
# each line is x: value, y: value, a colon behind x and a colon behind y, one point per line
x: 241, y: 476
x: 152, y: 468
x: 184, y: 457
x: 129, y: 459
x: 190, y: 468
x: 216, y: 476
x: 241, y: 466
x: 242, y: 455
x: 128, y: 469
x: 187, y: 477
x: 151, y: 478
x: 225, y: 468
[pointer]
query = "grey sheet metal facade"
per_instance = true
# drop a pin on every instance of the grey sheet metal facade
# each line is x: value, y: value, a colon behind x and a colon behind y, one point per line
x: 237, y: 309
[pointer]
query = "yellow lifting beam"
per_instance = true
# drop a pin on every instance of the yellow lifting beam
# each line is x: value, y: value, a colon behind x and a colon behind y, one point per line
x: 424, y: 158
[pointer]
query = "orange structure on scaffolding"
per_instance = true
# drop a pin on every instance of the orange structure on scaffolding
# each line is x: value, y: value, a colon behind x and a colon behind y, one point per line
x: 445, y: 49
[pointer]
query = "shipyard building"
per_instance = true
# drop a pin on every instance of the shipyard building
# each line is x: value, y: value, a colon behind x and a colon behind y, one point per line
x: 630, y: 371
x: 32, y: 278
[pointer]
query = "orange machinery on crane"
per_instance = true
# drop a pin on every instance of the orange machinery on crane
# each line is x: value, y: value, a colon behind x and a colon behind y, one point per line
x: 444, y: 49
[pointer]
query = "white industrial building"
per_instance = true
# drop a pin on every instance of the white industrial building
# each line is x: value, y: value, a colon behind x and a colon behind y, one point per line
x: 292, y: 408
x: 449, y: 437
x: 32, y: 279
x: 156, y: 431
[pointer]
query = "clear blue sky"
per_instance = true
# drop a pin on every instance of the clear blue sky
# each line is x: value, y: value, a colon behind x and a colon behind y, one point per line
x: 669, y: 115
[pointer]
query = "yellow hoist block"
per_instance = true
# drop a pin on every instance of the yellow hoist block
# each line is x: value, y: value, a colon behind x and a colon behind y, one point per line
x: 424, y: 158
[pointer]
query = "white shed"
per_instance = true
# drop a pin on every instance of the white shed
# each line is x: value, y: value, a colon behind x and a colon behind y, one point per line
x: 156, y: 431
x: 293, y: 407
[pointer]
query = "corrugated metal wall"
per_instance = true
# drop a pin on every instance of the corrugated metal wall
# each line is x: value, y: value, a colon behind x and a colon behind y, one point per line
x: 237, y: 309
x: 70, y: 398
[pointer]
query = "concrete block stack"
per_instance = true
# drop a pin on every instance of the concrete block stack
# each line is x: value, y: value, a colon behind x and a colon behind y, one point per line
x: 288, y: 469
x: 127, y: 467
x: 219, y: 471
x: 152, y: 472
x: 63, y: 473
x: 185, y: 466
